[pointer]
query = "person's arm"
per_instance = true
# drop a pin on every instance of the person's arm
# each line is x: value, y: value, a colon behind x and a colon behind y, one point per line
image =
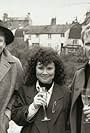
x: 32, y: 110
x: 19, y: 109
x: 87, y: 112
x: 22, y: 113
x: 8, y: 113
x: 20, y: 74
x: 39, y: 100
x: 19, y: 82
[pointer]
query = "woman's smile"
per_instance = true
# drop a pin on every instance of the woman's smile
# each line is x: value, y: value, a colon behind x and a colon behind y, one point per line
x: 45, y: 74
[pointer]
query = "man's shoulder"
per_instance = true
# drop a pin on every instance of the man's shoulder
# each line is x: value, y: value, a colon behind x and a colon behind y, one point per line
x: 18, y: 64
x: 9, y: 57
x: 81, y: 68
x: 15, y: 59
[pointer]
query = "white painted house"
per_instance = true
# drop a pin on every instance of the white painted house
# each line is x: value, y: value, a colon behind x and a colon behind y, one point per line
x: 47, y: 35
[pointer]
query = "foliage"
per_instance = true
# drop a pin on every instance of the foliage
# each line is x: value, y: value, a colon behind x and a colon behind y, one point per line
x: 71, y: 62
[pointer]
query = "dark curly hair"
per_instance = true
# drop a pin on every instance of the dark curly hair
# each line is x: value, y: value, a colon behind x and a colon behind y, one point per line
x: 45, y: 55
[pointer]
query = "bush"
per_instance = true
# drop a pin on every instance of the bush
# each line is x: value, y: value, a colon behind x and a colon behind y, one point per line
x: 71, y: 62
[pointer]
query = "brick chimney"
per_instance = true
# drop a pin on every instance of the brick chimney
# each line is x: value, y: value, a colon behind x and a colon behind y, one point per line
x: 29, y: 18
x: 53, y: 21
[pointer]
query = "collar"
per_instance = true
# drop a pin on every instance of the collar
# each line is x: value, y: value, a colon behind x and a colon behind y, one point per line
x: 89, y: 62
x: 38, y: 87
x: 6, y: 55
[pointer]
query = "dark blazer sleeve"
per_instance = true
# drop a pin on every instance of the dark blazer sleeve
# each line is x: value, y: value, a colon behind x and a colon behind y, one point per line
x: 20, y: 109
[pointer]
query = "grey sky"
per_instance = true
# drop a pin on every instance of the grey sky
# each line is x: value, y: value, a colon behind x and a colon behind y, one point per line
x: 43, y: 10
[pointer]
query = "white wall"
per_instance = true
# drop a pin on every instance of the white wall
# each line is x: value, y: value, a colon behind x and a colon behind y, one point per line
x: 43, y: 40
x: 66, y: 37
x: 35, y: 39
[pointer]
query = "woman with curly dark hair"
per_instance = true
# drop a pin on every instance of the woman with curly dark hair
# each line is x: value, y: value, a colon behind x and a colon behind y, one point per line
x: 42, y: 105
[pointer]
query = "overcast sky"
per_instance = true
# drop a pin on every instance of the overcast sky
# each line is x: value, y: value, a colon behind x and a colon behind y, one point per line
x: 43, y: 10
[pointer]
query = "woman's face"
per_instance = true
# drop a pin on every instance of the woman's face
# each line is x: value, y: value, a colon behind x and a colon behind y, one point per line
x: 45, y: 74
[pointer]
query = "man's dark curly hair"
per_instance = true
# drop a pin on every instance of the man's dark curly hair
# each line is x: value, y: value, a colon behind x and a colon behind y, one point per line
x: 45, y: 55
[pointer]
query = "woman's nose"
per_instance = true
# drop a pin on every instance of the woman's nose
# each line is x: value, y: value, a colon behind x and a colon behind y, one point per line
x: 44, y: 71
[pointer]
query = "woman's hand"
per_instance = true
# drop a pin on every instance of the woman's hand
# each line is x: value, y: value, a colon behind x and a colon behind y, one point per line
x: 87, y: 112
x: 40, y: 100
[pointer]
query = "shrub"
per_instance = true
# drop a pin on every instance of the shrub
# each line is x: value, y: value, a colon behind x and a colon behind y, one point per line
x: 71, y: 62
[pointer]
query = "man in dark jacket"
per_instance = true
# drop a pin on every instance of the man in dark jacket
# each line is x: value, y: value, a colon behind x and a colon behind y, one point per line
x: 81, y: 80
x: 11, y: 77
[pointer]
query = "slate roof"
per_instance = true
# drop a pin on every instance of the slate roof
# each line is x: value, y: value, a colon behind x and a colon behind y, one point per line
x: 47, y: 29
x: 17, y: 18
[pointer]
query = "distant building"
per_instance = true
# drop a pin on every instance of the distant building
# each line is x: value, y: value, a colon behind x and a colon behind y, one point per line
x: 73, y: 41
x: 17, y: 22
x: 52, y: 35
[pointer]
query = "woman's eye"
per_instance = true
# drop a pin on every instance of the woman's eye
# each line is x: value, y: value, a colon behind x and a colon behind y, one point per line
x: 40, y: 68
x: 49, y: 68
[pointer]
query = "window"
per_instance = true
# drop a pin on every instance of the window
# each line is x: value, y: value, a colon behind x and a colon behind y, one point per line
x: 35, y: 44
x: 75, y: 41
x: 37, y: 35
x: 61, y: 47
x: 49, y: 44
x: 49, y: 36
x: 62, y: 35
x: 29, y: 37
